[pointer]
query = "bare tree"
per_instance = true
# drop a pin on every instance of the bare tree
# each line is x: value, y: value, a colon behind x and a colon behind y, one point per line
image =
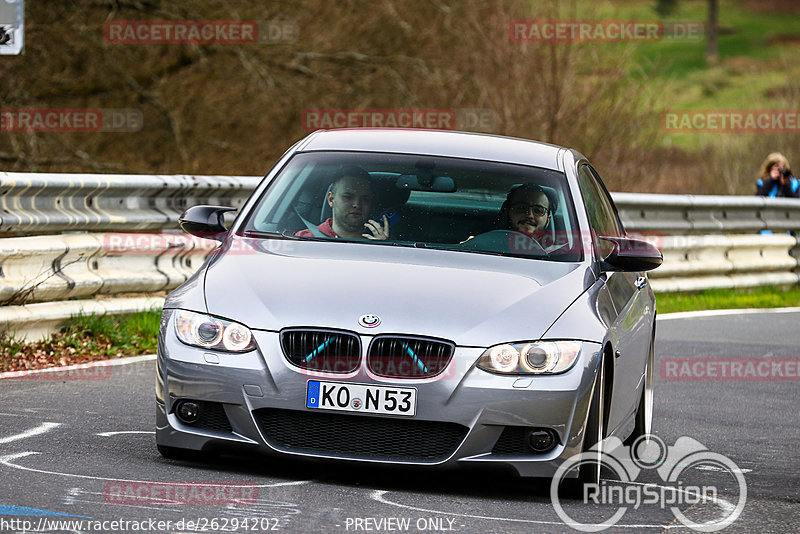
x: 665, y: 8
x: 712, y: 50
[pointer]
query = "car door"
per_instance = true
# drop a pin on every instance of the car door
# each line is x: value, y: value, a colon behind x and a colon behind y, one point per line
x: 630, y: 330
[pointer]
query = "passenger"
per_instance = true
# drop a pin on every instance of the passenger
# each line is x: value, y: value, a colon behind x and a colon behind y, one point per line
x: 527, y: 210
x: 776, y: 179
x: 350, y: 198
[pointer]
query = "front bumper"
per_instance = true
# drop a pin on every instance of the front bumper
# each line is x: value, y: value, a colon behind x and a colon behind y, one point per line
x: 255, y: 392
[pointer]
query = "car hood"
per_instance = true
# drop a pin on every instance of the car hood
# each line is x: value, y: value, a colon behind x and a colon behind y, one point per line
x: 471, y: 299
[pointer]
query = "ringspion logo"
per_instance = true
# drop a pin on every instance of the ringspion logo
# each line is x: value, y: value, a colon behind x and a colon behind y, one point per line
x: 674, y: 465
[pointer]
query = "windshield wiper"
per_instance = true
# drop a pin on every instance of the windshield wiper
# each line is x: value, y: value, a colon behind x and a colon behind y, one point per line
x: 258, y: 234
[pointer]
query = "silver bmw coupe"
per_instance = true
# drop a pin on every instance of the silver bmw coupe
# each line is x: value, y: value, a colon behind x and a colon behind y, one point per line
x: 426, y: 298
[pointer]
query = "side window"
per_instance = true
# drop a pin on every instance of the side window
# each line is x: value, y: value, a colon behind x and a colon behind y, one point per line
x: 601, y: 212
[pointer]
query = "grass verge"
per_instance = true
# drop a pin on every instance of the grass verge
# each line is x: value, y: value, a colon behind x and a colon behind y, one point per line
x: 84, y: 338
x: 98, y: 337
x: 722, y: 299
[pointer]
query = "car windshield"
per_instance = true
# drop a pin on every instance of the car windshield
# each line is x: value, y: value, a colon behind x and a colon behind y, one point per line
x: 429, y: 202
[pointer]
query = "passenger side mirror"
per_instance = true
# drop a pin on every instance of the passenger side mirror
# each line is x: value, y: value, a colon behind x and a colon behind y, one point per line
x: 631, y: 255
x: 205, y: 221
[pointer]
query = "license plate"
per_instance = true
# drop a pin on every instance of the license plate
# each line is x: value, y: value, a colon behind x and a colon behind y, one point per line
x: 361, y: 398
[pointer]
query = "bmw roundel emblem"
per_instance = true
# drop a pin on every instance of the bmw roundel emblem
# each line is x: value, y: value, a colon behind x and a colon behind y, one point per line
x: 369, y: 321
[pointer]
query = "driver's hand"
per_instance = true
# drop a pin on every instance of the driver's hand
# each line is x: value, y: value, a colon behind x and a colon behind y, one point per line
x: 378, y: 231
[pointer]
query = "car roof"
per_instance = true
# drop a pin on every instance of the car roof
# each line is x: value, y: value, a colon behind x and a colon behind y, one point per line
x: 436, y: 142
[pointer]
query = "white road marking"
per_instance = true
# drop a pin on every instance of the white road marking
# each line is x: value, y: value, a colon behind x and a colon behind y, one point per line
x: 41, y: 429
x: 259, y: 508
x: 8, y: 460
x: 725, y: 470
x: 713, y: 313
x: 71, y: 499
x: 87, y: 365
x: 378, y: 495
x: 107, y: 434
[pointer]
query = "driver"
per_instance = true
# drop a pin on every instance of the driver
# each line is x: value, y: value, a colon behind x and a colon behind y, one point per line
x: 527, y: 210
x: 350, y: 198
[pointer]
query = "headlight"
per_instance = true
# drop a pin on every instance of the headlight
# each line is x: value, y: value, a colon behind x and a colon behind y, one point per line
x: 545, y: 357
x: 208, y: 332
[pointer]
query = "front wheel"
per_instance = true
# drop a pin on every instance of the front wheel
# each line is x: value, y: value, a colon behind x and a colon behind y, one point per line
x: 590, y: 465
x: 644, y: 413
x: 175, y: 453
x: 595, y: 432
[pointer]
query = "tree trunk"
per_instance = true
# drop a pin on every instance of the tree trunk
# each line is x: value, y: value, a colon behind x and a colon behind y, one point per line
x: 712, y: 50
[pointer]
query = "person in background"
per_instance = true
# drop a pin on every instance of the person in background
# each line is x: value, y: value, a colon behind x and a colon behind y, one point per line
x: 776, y: 179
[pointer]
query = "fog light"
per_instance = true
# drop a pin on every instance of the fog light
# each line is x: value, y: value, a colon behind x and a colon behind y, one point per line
x: 188, y: 412
x: 541, y: 440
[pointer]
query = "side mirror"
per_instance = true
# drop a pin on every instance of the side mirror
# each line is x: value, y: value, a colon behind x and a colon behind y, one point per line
x: 631, y: 255
x: 205, y: 221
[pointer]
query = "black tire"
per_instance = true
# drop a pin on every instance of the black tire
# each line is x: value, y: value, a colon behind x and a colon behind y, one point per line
x: 589, y: 472
x: 644, y: 412
x: 175, y: 453
x: 595, y: 428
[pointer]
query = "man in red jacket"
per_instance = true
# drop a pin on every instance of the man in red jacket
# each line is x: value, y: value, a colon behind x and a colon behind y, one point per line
x: 350, y: 197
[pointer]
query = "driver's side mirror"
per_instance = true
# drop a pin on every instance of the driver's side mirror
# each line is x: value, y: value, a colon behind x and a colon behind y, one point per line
x: 631, y: 255
x: 205, y: 221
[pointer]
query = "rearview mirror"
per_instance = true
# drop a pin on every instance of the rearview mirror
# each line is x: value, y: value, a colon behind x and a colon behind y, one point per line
x: 205, y: 221
x: 422, y: 182
x: 631, y: 255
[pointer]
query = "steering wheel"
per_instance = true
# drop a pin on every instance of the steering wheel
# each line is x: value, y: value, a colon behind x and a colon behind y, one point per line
x: 505, y: 241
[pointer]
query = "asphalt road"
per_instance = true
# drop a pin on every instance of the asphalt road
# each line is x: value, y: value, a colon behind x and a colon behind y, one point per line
x: 83, y: 447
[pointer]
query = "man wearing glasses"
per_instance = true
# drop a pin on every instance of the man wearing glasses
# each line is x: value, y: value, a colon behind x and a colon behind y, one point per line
x: 527, y: 209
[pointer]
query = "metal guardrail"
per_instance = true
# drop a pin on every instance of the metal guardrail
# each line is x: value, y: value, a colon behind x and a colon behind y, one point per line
x: 39, y: 320
x: 707, y: 241
x: 706, y: 214
x: 693, y: 262
x: 68, y: 266
x: 34, y: 203
x: 38, y: 274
